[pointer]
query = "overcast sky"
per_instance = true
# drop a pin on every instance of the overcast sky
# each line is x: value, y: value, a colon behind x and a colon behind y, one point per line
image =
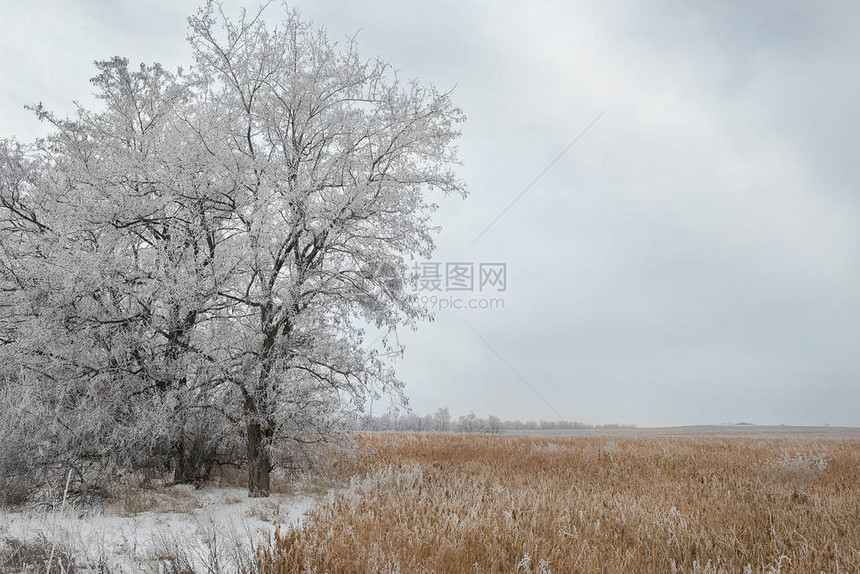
x: 694, y: 258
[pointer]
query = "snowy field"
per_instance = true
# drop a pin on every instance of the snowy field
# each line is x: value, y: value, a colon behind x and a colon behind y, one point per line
x: 182, y: 530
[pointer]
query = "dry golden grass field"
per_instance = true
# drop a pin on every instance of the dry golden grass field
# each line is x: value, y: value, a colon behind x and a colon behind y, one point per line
x: 598, y: 504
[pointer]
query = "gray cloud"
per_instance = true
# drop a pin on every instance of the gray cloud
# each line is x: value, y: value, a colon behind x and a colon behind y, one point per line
x: 693, y: 259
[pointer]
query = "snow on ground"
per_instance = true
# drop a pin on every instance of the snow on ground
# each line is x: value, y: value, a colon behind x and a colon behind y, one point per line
x: 209, y: 530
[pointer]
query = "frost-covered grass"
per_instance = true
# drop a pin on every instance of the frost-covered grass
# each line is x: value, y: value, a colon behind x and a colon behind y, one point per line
x: 448, y: 503
x: 170, y: 529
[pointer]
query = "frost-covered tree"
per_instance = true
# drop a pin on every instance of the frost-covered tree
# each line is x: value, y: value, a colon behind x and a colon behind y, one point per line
x: 442, y: 419
x: 107, y: 264
x: 332, y: 158
x: 218, y: 240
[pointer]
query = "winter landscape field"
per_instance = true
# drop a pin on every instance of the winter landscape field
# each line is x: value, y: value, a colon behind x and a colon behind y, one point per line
x: 709, y: 499
x: 592, y: 224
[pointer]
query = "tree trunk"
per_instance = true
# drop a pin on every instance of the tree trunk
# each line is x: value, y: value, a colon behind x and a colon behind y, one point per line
x: 193, y: 459
x: 259, y: 464
x: 180, y: 468
x: 261, y: 433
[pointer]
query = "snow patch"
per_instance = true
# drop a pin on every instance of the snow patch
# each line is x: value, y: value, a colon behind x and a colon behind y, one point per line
x: 217, y: 529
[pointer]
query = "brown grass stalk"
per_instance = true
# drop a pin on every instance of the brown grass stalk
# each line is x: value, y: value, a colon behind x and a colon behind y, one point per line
x: 450, y: 503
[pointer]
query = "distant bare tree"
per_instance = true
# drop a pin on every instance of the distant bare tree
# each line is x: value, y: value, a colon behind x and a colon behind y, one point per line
x: 468, y: 423
x: 442, y: 419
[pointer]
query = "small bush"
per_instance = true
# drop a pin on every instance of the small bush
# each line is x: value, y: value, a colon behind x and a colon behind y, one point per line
x: 14, y: 492
x: 33, y: 556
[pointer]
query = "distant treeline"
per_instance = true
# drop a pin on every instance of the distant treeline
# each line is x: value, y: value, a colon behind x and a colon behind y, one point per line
x: 442, y: 421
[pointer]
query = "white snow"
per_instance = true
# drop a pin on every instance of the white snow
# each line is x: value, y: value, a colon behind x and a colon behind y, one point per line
x: 212, y: 529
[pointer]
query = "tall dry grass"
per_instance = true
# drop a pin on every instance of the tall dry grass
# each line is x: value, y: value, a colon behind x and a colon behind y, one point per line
x: 448, y: 503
